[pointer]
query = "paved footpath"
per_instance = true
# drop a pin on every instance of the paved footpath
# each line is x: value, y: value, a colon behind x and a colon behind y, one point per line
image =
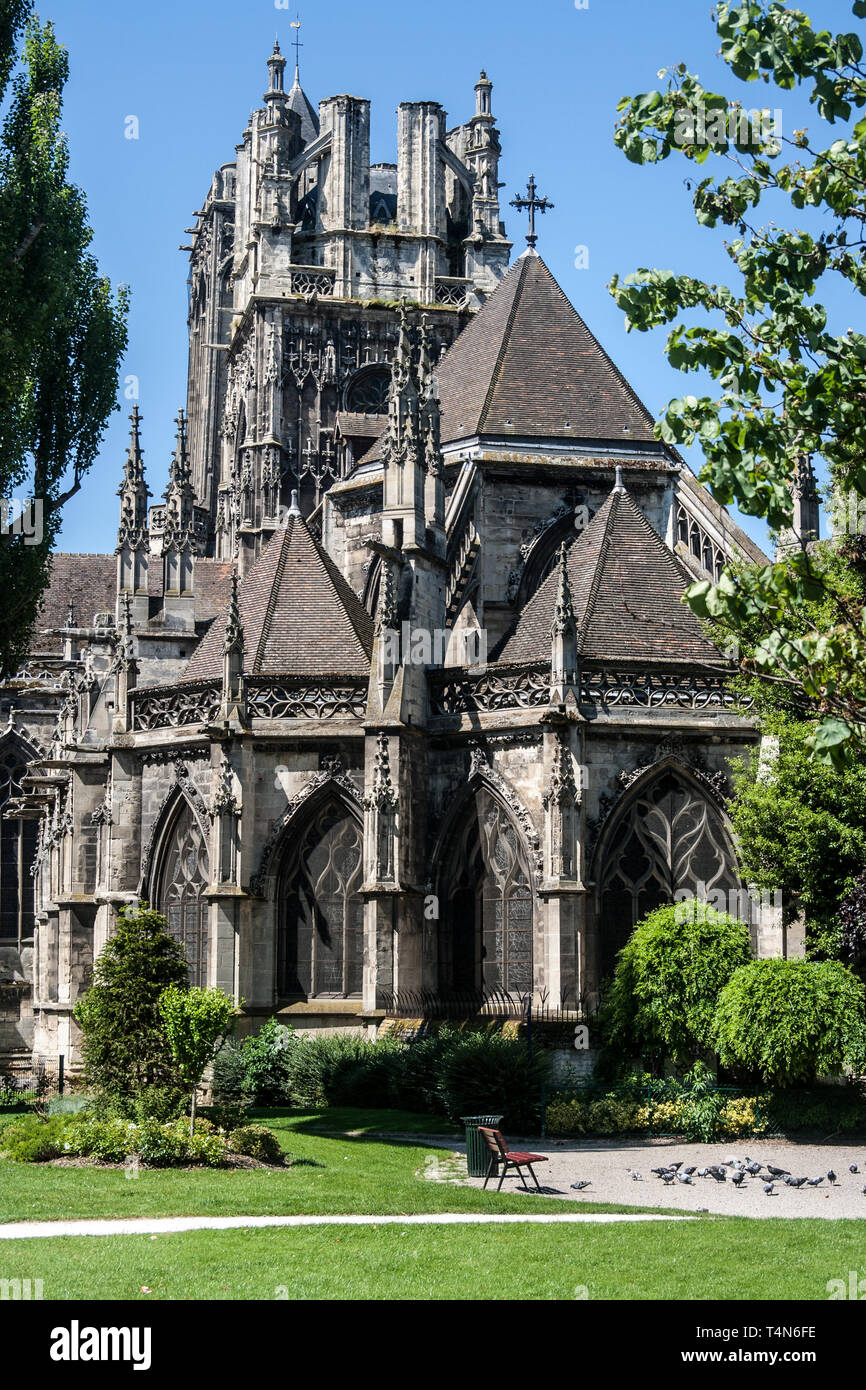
x: 165, y: 1225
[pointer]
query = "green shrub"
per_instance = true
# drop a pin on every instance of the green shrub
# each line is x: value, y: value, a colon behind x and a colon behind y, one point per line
x: 66, y: 1105
x: 110, y: 1139
x: 34, y: 1140
x: 266, y: 1062
x: 486, y: 1071
x: 318, y: 1066
x: 256, y: 1141
x: 125, y: 1047
x: 162, y: 1103
x: 790, y: 1021
x: 229, y: 1076
x: 668, y: 979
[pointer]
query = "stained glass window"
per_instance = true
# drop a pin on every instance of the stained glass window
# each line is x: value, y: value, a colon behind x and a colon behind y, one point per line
x: 486, y: 941
x: 184, y: 878
x: 321, y: 929
x: 17, y: 851
x: 671, y: 839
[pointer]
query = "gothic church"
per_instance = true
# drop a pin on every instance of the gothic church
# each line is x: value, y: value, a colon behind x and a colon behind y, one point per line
x: 392, y: 698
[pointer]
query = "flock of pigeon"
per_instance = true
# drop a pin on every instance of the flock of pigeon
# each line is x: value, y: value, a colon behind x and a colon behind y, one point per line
x: 736, y: 1171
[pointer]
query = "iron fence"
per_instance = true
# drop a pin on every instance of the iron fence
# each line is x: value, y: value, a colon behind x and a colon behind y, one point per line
x: 29, y: 1083
x: 489, y: 1004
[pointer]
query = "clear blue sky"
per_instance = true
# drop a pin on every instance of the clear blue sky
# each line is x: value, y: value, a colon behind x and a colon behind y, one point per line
x: 192, y: 70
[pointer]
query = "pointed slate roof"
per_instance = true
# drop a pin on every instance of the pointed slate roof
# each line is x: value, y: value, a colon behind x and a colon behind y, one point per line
x: 299, y: 615
x: 527, y: 365
x: 299, y: 101
x: 626, y: 589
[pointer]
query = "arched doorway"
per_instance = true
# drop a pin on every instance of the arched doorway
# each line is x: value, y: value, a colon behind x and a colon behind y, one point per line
x: 668, y: 838
x: 181, y: 881
x: 485, y: 940
x: 320, y: 923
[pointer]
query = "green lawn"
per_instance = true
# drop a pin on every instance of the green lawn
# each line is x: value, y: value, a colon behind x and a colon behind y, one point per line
x: 712, y: 1257
x: 345, y: 1174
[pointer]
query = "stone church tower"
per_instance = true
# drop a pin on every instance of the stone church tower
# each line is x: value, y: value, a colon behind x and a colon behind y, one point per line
x: 391, y: 703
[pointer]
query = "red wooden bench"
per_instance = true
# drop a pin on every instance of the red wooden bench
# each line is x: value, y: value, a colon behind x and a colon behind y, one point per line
x: 509, y: 1158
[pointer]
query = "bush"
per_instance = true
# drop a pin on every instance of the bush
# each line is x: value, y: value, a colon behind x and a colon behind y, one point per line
x: 486, y: 1071
x: 163, y: 1103
x: 66, y: 1105
x: 125, y: 1047
x: 256, y: 1141
x: 229, y: 1076
x: 790, y: 1021
x: 34, y: 1140
x: 318, y: 1066
x: 109, y: 1139
x: 668, y: 979
x: 266, y: 1064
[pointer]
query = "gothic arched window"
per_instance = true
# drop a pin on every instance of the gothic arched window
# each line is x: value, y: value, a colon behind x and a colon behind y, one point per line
x: 18, y: 839
x: 368, y: 393
x: 486, y: 939
x: 321, y: 924
x: 184, y: 877
x: 670, y: 838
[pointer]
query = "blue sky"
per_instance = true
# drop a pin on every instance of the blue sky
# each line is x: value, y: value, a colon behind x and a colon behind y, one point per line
x: 192, y: 72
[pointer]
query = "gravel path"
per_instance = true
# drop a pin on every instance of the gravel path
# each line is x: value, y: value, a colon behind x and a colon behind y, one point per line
x: 606, y: 1162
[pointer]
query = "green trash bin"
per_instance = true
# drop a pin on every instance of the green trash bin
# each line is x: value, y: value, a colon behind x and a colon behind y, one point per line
x: 477, y: 1152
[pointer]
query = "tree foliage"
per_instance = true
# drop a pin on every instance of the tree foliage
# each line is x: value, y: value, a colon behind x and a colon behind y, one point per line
x: 667, y: 980
x: 791, y: 1021
x: 789, y: 386
x: 197, y: 1023
x: 800, y: 828
x: 125, y: 1045
x: 62, y: 327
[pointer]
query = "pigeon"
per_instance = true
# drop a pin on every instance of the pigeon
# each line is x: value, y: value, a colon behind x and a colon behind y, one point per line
x: 769, y: 1189
x: 754, y: 1168
x: 814, y: 1182
x: 674, y: 1166
x: 853, y: 1168
x: 691, y: 1170
x: 795, y: 1182
x: 777, y: 1172
x: 635, y: 1177
x: 863, y: 1190
x: 660, y: 1172
x: 737, y: 1179
x: 667, y: 1178
x: 703, y: 1172
x: 579, y: 1186
x: 831, y: 1176
x: 684, y: 1177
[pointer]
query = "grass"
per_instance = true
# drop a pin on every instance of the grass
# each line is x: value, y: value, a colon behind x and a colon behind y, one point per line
x: 338, y: 1174
x: 724, y: 1258
x: 710, y: 1258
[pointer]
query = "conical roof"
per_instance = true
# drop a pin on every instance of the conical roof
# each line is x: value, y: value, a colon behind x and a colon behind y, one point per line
x: 299, y: 101
x: 299, y: 615
x: 528, y: 366
x: 626, y: 587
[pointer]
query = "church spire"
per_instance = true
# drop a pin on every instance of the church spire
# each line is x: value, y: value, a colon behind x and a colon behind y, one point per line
x: 133, y: 539
x: 563, y: 636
